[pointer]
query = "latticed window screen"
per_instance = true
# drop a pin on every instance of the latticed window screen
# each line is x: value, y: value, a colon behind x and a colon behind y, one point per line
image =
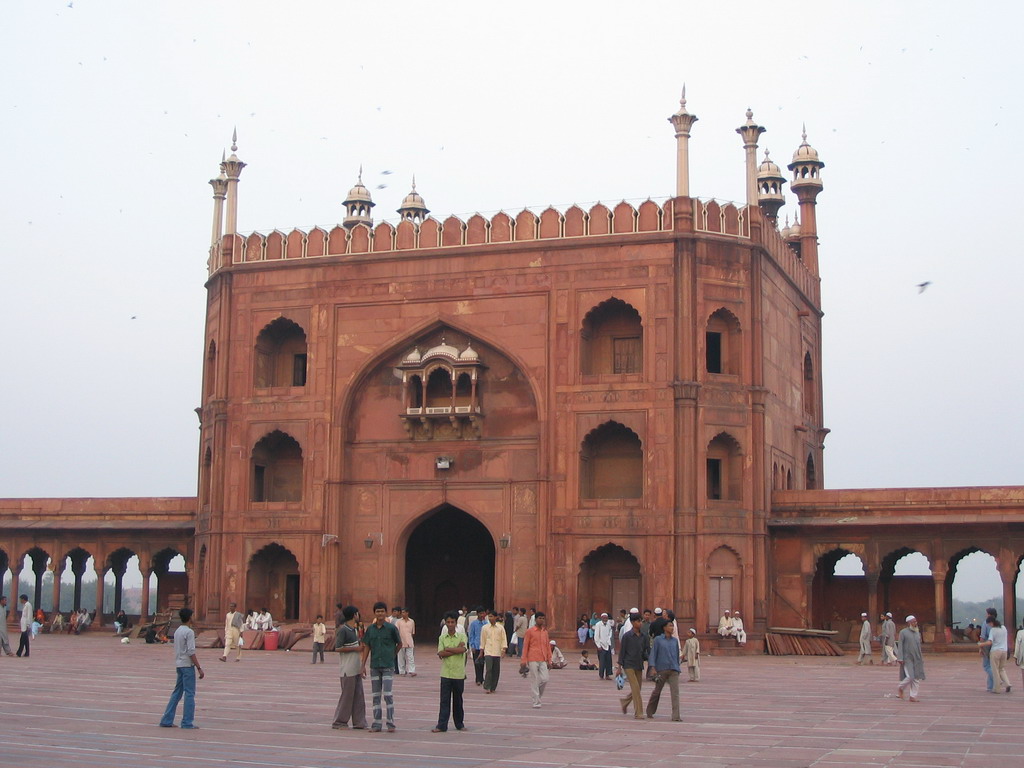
x: 627, y: 354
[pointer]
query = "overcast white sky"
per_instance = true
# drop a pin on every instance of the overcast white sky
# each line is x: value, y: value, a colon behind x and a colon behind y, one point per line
x: 115, y: 114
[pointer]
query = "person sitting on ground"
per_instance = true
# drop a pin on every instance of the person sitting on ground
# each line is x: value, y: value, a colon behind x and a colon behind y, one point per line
x: 84, y: 621
x: 557, y: 657
x: 120, y: 623
x: 737, y: 628
x: 725, y: 624
x: 57, y: 624
x: 585, y: 662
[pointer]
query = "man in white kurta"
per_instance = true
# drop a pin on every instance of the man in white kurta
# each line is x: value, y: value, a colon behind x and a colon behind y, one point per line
x: 737, y: 628
x: 725, y: 624
x: 865, y: 640
x: 888, y: 640
x: 233, y: 622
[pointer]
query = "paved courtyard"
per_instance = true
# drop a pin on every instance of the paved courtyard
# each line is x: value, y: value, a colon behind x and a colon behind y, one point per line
x: 90, y: 701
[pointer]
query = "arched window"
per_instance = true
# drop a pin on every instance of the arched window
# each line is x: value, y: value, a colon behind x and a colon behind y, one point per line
x: 280, y: 355
x: 724, y: 469
x: 205, y: 479
x: 439, y: 388
x: 612, y: 339
x: 812, y: 477
x: 722, y: 348
x: 611, y: 464
x: 277, y: 468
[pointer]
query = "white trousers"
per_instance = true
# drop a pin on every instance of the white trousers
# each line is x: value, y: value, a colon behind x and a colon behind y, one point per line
x: 538, y: 679
x: 407, y: 661
x: 912, y: 684
x: 231, y: 642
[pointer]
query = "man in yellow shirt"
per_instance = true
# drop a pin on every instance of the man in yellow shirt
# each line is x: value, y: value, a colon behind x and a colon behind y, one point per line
x: 451, y: 649
x: 493, y: 642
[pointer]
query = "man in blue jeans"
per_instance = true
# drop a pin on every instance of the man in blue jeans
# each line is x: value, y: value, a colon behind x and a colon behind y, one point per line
x: 380, y: 647
x: 985, y: 650
x: 187, y: 665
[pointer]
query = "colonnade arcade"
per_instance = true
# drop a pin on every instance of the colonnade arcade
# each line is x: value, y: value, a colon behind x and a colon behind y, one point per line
x: 926, y: 592
x: 68, y: 571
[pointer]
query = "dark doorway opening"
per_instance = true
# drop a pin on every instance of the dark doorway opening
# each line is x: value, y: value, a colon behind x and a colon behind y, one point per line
x: 449, y: 563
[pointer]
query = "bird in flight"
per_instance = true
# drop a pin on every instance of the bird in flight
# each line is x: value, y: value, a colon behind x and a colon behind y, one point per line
x: 922, y: 286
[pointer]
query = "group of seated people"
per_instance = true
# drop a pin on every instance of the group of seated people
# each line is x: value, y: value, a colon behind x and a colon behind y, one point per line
x: 260, y: 620
x: 77, y: 621
x: 731, y: 625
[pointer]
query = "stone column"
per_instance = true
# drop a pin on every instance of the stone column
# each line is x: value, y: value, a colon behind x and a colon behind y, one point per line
x: 38, y: 568
x: 939, y: 578
x: 682, y: 121
x: 78, y: 569
x: 144, y: 610
x: 872, y: 580
x: 58, y: 570
x: 100, y: 572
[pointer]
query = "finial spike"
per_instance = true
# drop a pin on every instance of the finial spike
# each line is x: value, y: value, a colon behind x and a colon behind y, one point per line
x: 414, y: 182
x: 805, y: 133
x: 234, y: 140
x: 682, y: 99
x: 360, y: 173
x: 223, y: 155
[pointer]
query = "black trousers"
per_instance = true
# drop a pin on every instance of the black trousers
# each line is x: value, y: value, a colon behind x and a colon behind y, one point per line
x: 492, y: 667
x: 478, y: 666
x: 604, y: 663
x: 451, y: 703
x: 23, y: 645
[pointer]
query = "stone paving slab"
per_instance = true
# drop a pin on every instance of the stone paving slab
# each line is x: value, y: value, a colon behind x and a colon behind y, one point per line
x: 91, y: 701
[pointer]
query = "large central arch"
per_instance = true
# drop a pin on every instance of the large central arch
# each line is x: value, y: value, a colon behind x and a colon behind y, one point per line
x: 449, y: 563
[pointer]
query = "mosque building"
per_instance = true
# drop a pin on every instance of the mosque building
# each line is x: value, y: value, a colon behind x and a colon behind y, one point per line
x: 578, y: 410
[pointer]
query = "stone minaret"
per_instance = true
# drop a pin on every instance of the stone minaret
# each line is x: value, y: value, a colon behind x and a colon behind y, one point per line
x: 806, y: 184
x: 220, y: 189
x: 232, y: 168
x: 750, y: 131
x: 682, y: 121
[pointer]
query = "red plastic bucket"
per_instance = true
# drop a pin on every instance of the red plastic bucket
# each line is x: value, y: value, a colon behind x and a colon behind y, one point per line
x: 270, y: 641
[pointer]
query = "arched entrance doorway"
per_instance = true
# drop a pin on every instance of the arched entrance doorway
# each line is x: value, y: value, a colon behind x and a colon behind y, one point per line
x: 839, y: 591
x: 273, y: 583
x: 609, y: 580
x: 449, y: 563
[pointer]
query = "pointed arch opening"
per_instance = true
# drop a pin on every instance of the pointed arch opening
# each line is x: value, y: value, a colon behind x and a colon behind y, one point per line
x: 811, y: 475
x: 449, y: 564
x: 611, y: 463
x: 839, y: 590
x: 972, y: 585
x: 722, y: 343
x: 906, y: 585
x: 808, y: 385
x: 272, y: 582
x: 276, y: 469
x: 612, y: 339
x: 609, y: 579
x: 280, y: 359
x: 724, y: 469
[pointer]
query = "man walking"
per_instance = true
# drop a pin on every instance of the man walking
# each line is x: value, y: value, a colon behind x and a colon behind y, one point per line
x: 520, y: 626
x: 865, y: 640
x: 984, y: 648
x: 633, y: 650
x: 910, y: 659
x: 493, y: 643
x: 407, y: 653
x: 665, y: 664
x: 380, y: 647
x: 233, y: 632
x: 888, y: 640
x: 604, y: 638
x: 186, y: 665
x: 451, y: 650
x: 476, y: 625
x: 351, y: 704
x: 5, y: 643
x: 537, y: 656
x: 26, y: 625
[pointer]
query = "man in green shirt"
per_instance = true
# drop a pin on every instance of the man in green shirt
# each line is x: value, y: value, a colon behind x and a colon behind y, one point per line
x: 380, y: 647
x: 451, y: 649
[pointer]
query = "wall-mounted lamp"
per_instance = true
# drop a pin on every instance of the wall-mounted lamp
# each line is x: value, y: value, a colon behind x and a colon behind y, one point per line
x: 328, y: 538
x: 505, y: 540
x: 444, y: 462
x: 371, y: 537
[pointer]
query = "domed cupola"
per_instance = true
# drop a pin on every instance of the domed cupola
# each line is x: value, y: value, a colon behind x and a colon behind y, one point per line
x: 413, y: 208
x: 769, y: 188
x: 358, y: 205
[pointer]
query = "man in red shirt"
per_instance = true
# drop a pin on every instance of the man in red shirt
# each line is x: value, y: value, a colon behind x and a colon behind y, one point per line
x: 537, y: 657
